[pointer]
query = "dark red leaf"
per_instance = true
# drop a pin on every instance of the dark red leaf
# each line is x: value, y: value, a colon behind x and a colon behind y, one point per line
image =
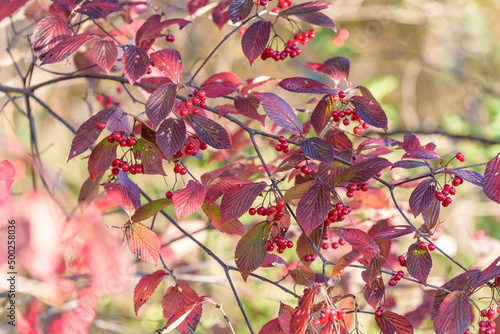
x: 422, y: 195
x: 101, y: 158
x: 304, y: 247
x: 392, y: 232
x: 431, y: 214
x: 318, y: 19
x: 181, y: 315
x: 391, y: 323
x: 88, y: 191
x: 221, y: 84
x: 255, y: 39
x: 330, y: 71
x: 230, y: 227
x: 239, y: 10
x: 290, y: 162
x: 218, y: 186
x: 272, y: 327
x: 470, y: 176
x: 370, y: 112
x: 194, y: 5
x: 145, y: 288
x: 342, y: 65
x: 302, y: 275
x: 361, y: 240
x: 190, y: 199
x: 272, y: 259
x: 491, y: 181
x: 280, y: 112
x: 306, y: 85
x: 220, y: 14
x: 378, y: 142
x: 374, y: 293
x: 87, y: 133
x: 176, y: 298
x: 105, y: 54
x: 143, y: 242
x: 411, y: 142
x: 409, y: 164
x: 420, y: 153
x: 418, y: 263
x: 346, y: 260
x: 313, y: 208
x: 99, y: 8
x: 247, y: 106
x: 304, y: 8
x: 362, y: 171
x: 365, y: 92
x: 371, y: 273
x: 150, y: 209
x: 338, y: 139
x: 454, y: 314
x: 212, y: 133
x: 322, y: 114
x: 67, y: 47
x: 252, y: 249
x: 318, y: 149
x: 284, y: 316
x: 11, y: 8
x: 150, y: 156
x: 160, y: 103
x: 300, y: 317
x: 151, y: 30
x: 237, y: 200
x: 49, y: 32
x: 489, y: 273
x: 169, y: 62
x: 135, y: 63
x: 171, y: 136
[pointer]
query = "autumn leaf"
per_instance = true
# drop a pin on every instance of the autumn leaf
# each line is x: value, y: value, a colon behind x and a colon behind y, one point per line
x: 418, y: 263
x: 190, y: 199
x: 390, y: 323
x: 252, y: 249
x: 143, y: 242
x: 313, y: 208
x: 145, y: 288
x: 237, y: 200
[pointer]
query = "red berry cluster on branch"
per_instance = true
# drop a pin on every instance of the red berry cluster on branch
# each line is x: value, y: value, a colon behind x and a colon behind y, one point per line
x: 108, y: 101
x: 460, y: 156
x: 123, y: 141
x: 337, y: 214
x: 179, y: 169
x: 277, y: 209
x: 352, y: 187
x: 126, y: 167
x: 379, y: 311
x: 402, y: 261
x: 443, y: 197
x: 304, y: 169
x: 291, y: 49
x: 422, y: 245
x: 339, y: 243
x: 282, y: 146
x: 309, y: 257
x: 329, y: 314
x: 394, y: 280
x: 170, y: 38
x: 281, y: 244
x: 344, y: 114
x: 488, y: 326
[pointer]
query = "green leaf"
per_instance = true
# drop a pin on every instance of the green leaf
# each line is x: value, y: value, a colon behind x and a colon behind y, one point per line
x: 252, y: 249
x: 150, y: 209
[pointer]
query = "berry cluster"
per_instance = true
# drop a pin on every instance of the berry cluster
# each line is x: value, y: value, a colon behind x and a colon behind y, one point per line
x: 190, y: 149
x: 170, y: 38
x: 329, y: 314
x: 339, y: 114
x: 282, y: 146
x: 108, y: 101
x: 379, y: 311
x: 352, y: 187
x: 337, y: 214
x: 178, y: 169
x: 118, y: 164
x: 304, y: 169
x: 292, y: 47
x: 488, y: 326
x: 337, y: 244
x: 278, y: 209
x: 422, y: 245
x: 123, y: 141
x: 282, y: 4
x: 309, y: 257
x: 443, y: 197
x: 281, y: 244
x: 460, y: 156
x: 402, y: 261
x: 394, y: 280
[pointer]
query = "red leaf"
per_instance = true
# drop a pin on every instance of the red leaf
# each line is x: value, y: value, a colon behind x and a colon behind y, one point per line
x: 370, y: 274
x: 145, y: 288
x: 87, y: 133
x: 280, y: 112
x: 237, y: 200
x: 135, y: 63
x: 431, y: 214
x: 272, y: 327
x: 340, y: 64
x: 454, y: 314
x: 190, y: 199
x: 322, y: 114
x: 221, y: 84
x: 169, y: 62
x: 362, y: 171
x: 361, y: 240
x: 421, y: 196
x: 330, y: 71
x: 307, y: 7
x: 220, y: 14
x: 338, y: 140
x: 370, y: 112
x: 300, y: 317
x: 251, y: 250
x: 217, y: 187
x: 255, y: 39
x: 239, y: 10
x: 470, y: 176
x: 378, y: 142
x: 306, y: 85
x: 491, y: 181
x: 151, y: 30
x: 11, y: 8
x: 123, y: 195
x: 489, y: 273
x: 212, y: 133
x: 284, y: 316
x: 290, y: 162
x: 67, y: 47
x: 318, y: 19
x: 313, y: 208
x: 391, y: 323
x: 160, y: 103
x: 171, y: 136
x: 409, y: 164
x: 49, y: 32
x: 271, y: 259
x: 318, y: 149
x: 302, y: 275
x: 143, y: 242
x: 392, y: 232
x: 99, y: 8
x: 194, y: 5
x: 175, y: 299
x: 346, y: 260
x: 150, y: 209
x: 7, y: 173
x: 105, y: 54
x: 420, y: 153
x: 101, y: 158
x: 418, y: 263
x: 179, y: 316
x: 88, y: 191
x: 411, y: 142
x: 375, y: 292
x: 150, y: 156
x: 230, y: 227
x: 247, y: 106
x: 304, y: 246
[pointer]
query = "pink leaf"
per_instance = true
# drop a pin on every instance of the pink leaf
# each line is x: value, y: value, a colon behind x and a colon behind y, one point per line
x: 378, y: 142
x: 361, y: 240
x: 145, y: 288
x: 160, y: 103
x: 171, y: 136
x: 290, y: 162
x: 370, y: 112
x: 126, y: 197
x: 272, y: 327
x: 422, y: 195
x: 150, y: 156
x: 194, y: 5
x: 7, y: 173
x: 67, y: 47
x: 391, y: 323
x: 318, y: 149
x: 135, y: 63
x: 221, y: 84
x: 212, y: 133
x: 49, y: 32
x: 280, y: 112
x: 182, y: 314
x: 105, y: 54
x: 143, y: 242
x: 392, y: 232
x: 334, y: 73
x: 99, y: 8
x: 284, y: 316
x: 306, y: 85
x: 313, y: 208
x: 218, y: 186
x: 220, y: 14
x: 190, y: 199
x: 272, y: 259
x: 255, y: 39
x: 419, y: 263
x: 454, y: 314
x: 322, y: 113
x: 420, y: 153
x: 101, y: 158
x: 239, y: 10
x: 491, y: 181
x: 169, y: 62
x: 251, y: 250
x: 237, y: 200
x: 247, y: 106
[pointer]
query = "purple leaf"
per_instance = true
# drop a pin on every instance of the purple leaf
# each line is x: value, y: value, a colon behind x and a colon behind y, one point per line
x: 280, y: 112
x: 336, y: 68
x: 409, y: 164
x: 221, y: 84
x: 99, y: 8
x: 314, y: 206
x: 150, y: 156
x: 304, y: 8
x: 418, y: 263
x: 361, y: 240
x: 374, y: 293
x: 237, y: 200
x: 341, y: 64
x: 370, y: 274
x: 411, y: 142
x: 67, y: 47
x: 491, y: 181
x: 338, y: 139
x: 392, y: 232
x: 135, y: 63
x: 377, y: 143
x: 454, y: 314
x: 171, y: 136
x: 362, y: 171
x: 421, y: 197
x: 271, y: 259
x: 160, y: 103
x: 169, y: 62
x: 431, y: 214
x: 239, y: 10
x: 255, y: 39
x: 101, y: 158
x: 290, y: 162
x: 318, y: 19
x: 49, y: 32
x: 318, y: 149
x: 420, y: 153
x: 470, y: 176
x: 306, y: 85
x: 105, y: 54
x: 194, y: 5
x: 247, y: 106
x: 322, y: 114
x: 251, y: 250
x: 370, y: 112
x: 151, y: 30
x: 212, y: 133
x: 489, y: 273
x: 391, y: 323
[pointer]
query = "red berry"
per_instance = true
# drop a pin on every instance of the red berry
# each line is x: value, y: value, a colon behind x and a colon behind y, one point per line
x: 378, y: 313
x: 431, y: 247
x: 101, y: 125
x: 358, y: 130
x: 242, y: 30
x: 316, y: 322
x: 346, y: 121
x: 111, y: 138
x: 342, y: 241
x: 311, y: 34
x: 119, y: 89
x: 115, y: 171
x: 341, y: 94
x: 313, y: 257
x: 183, y: 171
x: 324, y: 245
x: 132, y: 170
x: 125, y: 167
x: 149, y: 71
x: 340, y: 315
x: 131, y: 142
x: 203, y: 104
x: 440, y: 196
x: 281, y: 203
x: 183, y: 112
x: 335, y: 245
x: 284, y: 145
x: 422, y: 245
x: 276, y: 10
x: 270, y: 248
x: 189, y: 104
x: 123, y: 143
x: 286, y: 150
x: 203, y: 146
x: 117, y: 136
x: 278, y: 147
x: 484, y: 313
x: 196, y: 100
x: 452, y: 191
x: 169, y: 194
x: 307, y: 258
x: 252, y: 211
x: 447, y: 200
x: 289, y: 244
x: 116, y: 163
x: 100, y: 98
x: 323, y: 320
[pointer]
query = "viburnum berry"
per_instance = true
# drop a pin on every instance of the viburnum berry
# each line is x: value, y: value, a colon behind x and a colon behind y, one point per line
x: 358, y: 130
x: 422, y: 245
x: 378, y: 313
x: 131, y: 142
x: 342, y: 94
x: 460, y: 156
x: 491, y: 313
x: 324, y: 245
x: 117, y: 136
x: 100, y: 98
x: 100, y: 125
x: 203, y: 146
x: 123, y: 143
x: 316, y: 322
x: 311, y: 34
x: 340, y: 315
x: 402, y: 261
x: 149, y: 71
x: 307, y: 258
x: 132, y: 170
x: 116, y: 163
x: 440, y: 196
x: 115, y: 171
x: 169, y: 194
x: 392, y: 282
x: 289, y: 244
x: 335, y: 245
x: 203, y: 104
x: 196, y: 100
x: 183, y: 112
x: 342, y: 241
x: 111, y: 138
x: 484, y: 313
x: 125, y: 167
x: 431, y: 247
x: 170, y: 38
